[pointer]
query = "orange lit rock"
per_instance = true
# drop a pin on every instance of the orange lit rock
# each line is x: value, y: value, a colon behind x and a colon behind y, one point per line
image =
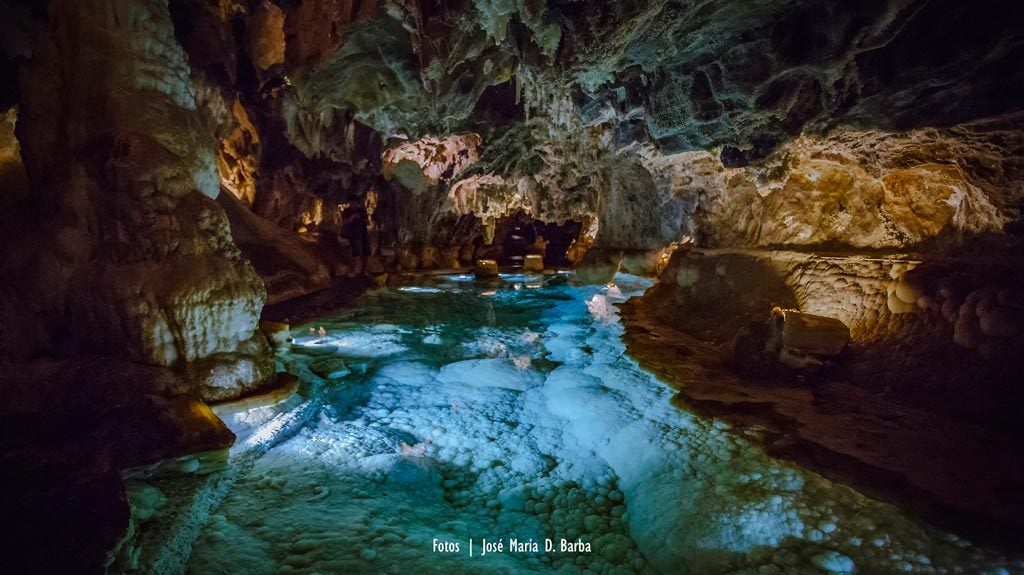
x: 425, y: 162
x: 862, y: 189
x: 805, y: 339
x: 486, y: 269
x: 13, y: 181
x: 315, y: 26
x: 533, y: 263
x: 289, y: 267
x: 266, y: 35
x: 238, y: 154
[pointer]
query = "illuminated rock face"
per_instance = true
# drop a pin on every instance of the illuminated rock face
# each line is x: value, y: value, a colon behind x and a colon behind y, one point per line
x: 876, y: 297
x: 780, y: 124
x: 921, y: 329
x: 237, y: 149
x: 13, y: 181
x: 145, y: 264
x: 426, y: 162
x: 940, y: 187
x: 289, y: 267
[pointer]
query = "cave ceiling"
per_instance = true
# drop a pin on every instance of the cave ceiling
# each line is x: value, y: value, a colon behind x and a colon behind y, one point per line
x: 575, y: 100
x: 694, y: 75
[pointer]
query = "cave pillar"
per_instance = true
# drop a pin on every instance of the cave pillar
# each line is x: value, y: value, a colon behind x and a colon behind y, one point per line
x: 124, y: 171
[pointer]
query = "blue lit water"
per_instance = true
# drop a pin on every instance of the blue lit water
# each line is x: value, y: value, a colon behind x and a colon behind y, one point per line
x: 450, y: 410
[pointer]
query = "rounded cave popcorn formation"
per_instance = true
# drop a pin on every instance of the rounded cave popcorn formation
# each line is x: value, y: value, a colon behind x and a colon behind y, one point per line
x: 449, y: 434
x: 301, y: 286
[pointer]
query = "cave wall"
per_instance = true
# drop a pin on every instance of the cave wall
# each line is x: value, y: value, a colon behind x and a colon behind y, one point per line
x: 720, y: 120
x: 753, y: 75
x: 13, y: 179
x: 125, y: 304
x: 132, y: 256
x: 901, y: 109
x: 729, y: 124
x: 894, y: 119
x: 943, y: 334
x: 931, y: 189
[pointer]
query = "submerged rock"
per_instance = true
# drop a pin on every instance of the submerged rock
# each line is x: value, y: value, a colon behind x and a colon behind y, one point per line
x: 598, y: 266
x: 330, y: 367
x: 833, y: 562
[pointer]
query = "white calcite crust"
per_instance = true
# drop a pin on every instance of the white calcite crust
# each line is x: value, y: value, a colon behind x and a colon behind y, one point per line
x: 433, y: 442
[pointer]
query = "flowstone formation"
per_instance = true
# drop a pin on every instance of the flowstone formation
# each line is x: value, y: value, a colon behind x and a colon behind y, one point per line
x: 136, y: 259
x: 126, y: 304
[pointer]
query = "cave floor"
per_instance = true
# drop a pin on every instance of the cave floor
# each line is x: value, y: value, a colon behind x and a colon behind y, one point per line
x: 450, y: 410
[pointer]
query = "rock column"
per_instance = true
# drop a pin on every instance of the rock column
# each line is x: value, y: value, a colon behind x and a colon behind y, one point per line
x: 125, y: 177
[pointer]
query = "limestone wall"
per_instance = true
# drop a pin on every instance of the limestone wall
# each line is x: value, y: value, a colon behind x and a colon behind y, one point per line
x: 941, y: 334
x: 977, y: 306
x: 139, y: 260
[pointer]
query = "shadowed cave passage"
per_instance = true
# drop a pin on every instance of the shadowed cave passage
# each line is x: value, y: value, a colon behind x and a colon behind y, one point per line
x: 524, y: 236
x: 725, y: 287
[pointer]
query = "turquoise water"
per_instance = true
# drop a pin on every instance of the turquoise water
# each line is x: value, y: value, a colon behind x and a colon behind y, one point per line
x: 451, y: 412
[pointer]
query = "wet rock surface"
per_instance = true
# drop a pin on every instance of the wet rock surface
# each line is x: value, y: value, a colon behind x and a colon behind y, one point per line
x: 172, y: 171
x: 901, y: 378
x: 902, y: 315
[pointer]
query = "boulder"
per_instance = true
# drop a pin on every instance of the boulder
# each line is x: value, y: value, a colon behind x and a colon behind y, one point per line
x: 803, y: 339
x: 276, y: 332
x: 486, y: 269
x: 533, y: 263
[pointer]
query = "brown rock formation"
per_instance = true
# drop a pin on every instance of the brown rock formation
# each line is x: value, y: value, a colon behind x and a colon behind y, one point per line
x: 266, y: 35
x: 289, y: 266
x: 928, y: 188
x: 388, y: 136
x: 125, y: 176
x: 903, y: 315
x: 938, y: 340
x: 13, y: 180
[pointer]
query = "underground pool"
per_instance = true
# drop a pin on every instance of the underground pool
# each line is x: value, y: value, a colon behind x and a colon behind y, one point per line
x: 456, y: 427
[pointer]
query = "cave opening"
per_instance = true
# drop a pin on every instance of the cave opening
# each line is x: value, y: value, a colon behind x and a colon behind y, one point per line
x: 521, y: 235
